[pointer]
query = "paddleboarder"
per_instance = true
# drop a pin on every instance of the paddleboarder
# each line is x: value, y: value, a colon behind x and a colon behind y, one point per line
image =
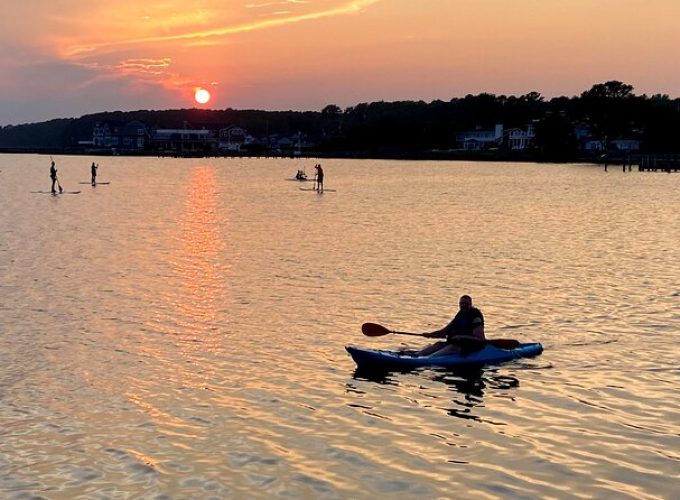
x: 93, y: 170
x: 465, y: 332
x: 53, y: 176
x: 319, y: 177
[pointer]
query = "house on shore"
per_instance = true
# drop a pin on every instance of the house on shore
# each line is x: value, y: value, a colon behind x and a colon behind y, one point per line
x: 627, y: 145
x: 183, y: 140
x: 232, y: 138
x: 127, y: 136
x: 519, y: 138
x: 480, y: 139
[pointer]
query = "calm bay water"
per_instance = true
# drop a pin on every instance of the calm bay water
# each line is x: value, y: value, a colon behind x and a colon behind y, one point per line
x: 180, y: 332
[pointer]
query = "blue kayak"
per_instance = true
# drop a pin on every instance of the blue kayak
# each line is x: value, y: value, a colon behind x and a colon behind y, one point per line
x: 489, y: 355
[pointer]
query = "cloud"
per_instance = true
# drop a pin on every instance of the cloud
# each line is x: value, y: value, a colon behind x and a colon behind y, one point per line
x: 221, y: 30
x: 118, y: 56
x: 61, y: 90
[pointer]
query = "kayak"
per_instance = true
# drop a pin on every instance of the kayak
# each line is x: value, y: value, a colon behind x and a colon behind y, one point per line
x: 488, y: 355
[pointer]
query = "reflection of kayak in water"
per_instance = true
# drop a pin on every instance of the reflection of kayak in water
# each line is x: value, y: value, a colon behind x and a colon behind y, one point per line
x: 488, y: 355
x: 314, y: 189
x: 95, y: 184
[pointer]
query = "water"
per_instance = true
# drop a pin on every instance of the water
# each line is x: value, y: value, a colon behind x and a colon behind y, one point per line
x: 180, y: 332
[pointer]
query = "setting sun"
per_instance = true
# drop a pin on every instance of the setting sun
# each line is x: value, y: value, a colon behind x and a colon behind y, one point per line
x: 202, y: 96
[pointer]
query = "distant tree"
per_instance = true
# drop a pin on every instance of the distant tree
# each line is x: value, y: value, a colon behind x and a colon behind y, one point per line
x: 609, y: 108
x: 331, y: 109
x: 533, y: 97
x: 662, y: 128
x: 609, y: 90
x: 331, y: 122
x: 555, y: 139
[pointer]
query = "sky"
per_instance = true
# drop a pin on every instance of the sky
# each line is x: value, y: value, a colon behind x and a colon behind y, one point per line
x: 67, y: 58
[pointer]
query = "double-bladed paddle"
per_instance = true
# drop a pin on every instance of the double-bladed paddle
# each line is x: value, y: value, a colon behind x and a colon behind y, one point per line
x: 376, y: 330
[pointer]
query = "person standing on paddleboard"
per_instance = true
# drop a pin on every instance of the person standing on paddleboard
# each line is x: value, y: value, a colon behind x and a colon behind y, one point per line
x: 53, y: 176
x: 93, y: 170
x: 464, y: 334
x: 319, y: 178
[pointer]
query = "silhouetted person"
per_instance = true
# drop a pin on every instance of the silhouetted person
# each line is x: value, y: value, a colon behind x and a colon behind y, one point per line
x: 53, y: 176
x: 93, y: 170
x: 319, y: 178
x: 465, y: 332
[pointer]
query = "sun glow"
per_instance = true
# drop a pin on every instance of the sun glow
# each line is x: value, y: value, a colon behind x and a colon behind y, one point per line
x: 202, y: 96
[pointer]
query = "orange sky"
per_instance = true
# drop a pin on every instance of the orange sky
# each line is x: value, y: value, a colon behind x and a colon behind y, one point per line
x: 64, y: 58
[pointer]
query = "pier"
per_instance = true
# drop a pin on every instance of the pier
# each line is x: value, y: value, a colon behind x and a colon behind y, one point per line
x: 659, y: 163
x: 645, y: 163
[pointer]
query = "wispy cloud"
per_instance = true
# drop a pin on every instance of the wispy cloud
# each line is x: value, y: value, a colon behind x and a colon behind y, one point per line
x: 270, y: 4
x: 142, y: 71
x: 346, y: 8
x: 126, y: 58
x: 145, y: 65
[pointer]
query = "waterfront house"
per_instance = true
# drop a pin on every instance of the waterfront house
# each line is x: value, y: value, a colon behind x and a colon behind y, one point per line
x: 183, y: 140
x: 628, y: 145
x: 127, y: 136
x: 519, y: 138
x: 232, y: 138
x: 478, y: 139
x: 592, y: 145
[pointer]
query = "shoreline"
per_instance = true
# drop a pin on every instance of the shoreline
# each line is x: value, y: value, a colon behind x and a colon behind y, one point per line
x: 451, y: 155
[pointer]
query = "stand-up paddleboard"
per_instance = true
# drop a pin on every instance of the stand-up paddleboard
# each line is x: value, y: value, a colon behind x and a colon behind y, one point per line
x: 95, y: 184
x: 323, y: 191
x: 57, y: 193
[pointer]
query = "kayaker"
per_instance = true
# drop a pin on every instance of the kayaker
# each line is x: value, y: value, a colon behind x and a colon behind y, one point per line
x: 93, y: 171
x: 465, y: 332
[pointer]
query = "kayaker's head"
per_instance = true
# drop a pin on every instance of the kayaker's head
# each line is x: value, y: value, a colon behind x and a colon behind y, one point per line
x: 465, y: 302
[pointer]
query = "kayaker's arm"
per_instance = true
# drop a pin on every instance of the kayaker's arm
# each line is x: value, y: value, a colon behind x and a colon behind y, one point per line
x: 441, y: 333
x: 478, y: 332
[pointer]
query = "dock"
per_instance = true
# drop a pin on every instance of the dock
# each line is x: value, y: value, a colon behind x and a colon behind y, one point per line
x: 645, y: 163
x: 659, y: 163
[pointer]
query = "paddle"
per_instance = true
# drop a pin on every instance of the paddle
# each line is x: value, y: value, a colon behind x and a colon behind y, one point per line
x: 375, y: 330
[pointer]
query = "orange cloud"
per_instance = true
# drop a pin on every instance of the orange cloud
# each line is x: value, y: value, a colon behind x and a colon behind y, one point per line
x: 127, y: 45
x: 88, y: 50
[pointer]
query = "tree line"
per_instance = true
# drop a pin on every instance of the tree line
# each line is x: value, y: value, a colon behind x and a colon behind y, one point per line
x: 607, y: 111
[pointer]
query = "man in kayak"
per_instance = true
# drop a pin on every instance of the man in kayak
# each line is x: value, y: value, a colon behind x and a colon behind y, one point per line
x: 93, y: 171
x: 464, y: 334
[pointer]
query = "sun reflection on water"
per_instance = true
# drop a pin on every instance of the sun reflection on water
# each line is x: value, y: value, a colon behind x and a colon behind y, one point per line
x: 201, y: 245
